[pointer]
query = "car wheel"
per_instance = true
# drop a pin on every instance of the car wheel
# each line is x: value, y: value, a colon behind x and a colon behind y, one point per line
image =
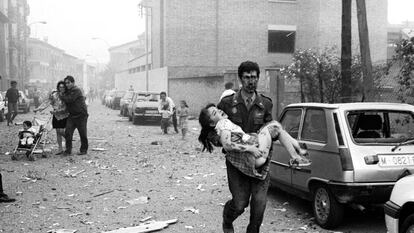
x: 408, y: 224
x: 328, y: 212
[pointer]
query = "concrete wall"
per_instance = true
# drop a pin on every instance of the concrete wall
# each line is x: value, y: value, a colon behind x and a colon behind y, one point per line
x: 197, y: 92
x: 158, y: 80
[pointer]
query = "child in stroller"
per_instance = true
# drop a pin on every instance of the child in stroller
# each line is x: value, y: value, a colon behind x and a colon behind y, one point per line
x: 27, y: 134
x: 29, y: 138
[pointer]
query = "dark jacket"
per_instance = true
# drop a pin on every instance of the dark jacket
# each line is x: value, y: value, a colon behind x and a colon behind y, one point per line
x: 12, y: 95
x: 75, y: 102
x: 249, y: 120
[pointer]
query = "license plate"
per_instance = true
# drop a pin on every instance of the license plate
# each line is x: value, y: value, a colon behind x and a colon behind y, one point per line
x: 396, y: 160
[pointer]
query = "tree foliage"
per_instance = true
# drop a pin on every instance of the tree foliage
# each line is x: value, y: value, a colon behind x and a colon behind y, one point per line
x: 405, y: 77
x: 319, y: 75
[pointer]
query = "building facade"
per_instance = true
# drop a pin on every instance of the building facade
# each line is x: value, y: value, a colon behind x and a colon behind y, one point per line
x: 13, y: 40
x: 49, y: 64
x: 198, y: 41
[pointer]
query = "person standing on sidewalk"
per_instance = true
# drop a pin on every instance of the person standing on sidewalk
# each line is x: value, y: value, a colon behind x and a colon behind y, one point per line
x: 78, y: 116
x: 250, y: 111
x: 12, y: 97
x: 3, y: 196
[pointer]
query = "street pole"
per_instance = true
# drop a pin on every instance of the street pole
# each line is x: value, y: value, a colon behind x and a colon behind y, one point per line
x: 346, y: 53
x: 368, y: 81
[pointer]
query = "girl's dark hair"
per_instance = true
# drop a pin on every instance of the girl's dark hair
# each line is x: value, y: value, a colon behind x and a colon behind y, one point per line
x: 208, y: 135
x: 59, y: 83
x: 185, y: 103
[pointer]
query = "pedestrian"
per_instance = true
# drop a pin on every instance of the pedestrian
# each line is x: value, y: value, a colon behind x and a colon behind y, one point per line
x: 228, y: 90
x: 232, y: 137
x: 36, y: 98
x: 131, y: 88
x: 3, y: 196
x: 12, y: 97
x: 183, y: 114
x: 166, y: 108
x: 78, y: 116
x: 59, y: 112
x: 250, y: 111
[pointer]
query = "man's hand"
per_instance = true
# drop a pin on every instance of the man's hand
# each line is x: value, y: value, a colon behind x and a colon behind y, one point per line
x: 255, y: 151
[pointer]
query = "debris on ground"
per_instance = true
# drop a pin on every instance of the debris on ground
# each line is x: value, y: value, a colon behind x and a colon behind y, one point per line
x: 192, y: 210
x: 62, y: 231
x: 139, y: 200
x: 153, y: 226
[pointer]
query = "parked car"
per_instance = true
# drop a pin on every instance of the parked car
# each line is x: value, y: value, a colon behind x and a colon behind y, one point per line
x: 115, y: 100
x: 24, y: 103
x: 399, y: 210
x: 144, y: 108
x: 3, y: 108
x: 125, y: 101
x: 358, y: 152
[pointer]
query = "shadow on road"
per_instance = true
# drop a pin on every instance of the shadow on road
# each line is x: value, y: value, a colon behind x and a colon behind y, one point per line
x: 370, y: 221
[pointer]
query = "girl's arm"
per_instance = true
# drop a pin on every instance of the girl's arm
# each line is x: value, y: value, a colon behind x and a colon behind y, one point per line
x: 228, y: 145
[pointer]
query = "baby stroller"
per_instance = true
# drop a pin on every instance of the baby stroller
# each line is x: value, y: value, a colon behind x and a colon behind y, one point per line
x: 39, y: 135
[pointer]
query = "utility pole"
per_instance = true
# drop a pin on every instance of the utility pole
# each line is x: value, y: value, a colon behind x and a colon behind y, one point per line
x: 368, y: 81
x: 346, y: 53
x: 146, y: 10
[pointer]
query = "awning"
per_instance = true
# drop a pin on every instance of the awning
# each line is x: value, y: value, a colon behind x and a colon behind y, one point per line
x: 3, y: 18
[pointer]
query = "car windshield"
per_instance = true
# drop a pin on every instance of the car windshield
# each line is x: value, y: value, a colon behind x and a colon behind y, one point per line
x: 381, y: 126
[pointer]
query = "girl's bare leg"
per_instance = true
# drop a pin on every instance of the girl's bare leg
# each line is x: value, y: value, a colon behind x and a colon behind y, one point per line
x: 59, y: 137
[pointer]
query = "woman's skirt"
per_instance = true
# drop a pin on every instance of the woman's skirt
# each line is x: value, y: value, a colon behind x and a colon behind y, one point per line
x: 58, y: 124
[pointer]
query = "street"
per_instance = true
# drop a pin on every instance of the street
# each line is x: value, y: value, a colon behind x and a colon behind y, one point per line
x: 134, y: 173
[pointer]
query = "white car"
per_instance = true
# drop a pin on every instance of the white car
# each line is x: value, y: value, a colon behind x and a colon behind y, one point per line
x: 399, y: 210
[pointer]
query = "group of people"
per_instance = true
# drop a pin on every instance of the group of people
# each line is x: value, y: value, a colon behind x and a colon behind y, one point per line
x: 69, y: 112
x: 169, y: 113
x: 242, y: 124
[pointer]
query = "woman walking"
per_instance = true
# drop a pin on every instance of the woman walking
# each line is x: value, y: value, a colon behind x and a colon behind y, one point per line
x: 59, y: 112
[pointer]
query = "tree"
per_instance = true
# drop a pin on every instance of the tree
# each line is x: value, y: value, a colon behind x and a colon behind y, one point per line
x: 319, y: 76
x: 405, y: 77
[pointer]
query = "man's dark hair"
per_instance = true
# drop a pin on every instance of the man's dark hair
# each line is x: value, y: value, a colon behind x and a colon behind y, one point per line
x: 228, y: 85
x: 28, y: 123
x: 13, y: 82
x: 70, y: 79
x: 163, y: 93
x: 248, y: 66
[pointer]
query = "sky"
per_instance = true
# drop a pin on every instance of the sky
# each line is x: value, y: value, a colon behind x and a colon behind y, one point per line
x: 71, y: 24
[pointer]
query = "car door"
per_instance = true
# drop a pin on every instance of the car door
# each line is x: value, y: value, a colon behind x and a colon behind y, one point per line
x: 280, y: 168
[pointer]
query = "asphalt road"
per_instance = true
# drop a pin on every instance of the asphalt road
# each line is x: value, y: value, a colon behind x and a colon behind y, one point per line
x: 133, y: 173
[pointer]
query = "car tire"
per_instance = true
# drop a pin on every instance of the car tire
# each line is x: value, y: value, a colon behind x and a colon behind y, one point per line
x: 408, y: 224
x: 136, y: 120
x: 327, y: 210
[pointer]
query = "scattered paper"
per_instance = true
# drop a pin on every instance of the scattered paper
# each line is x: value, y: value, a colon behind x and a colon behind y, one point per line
x: 191, y: 209
x: 139, y: 200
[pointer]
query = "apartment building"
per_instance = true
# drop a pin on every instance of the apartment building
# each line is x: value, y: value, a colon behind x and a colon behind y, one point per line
x: 199, y: 42
x: 49, y: 64
x: 4, y: 20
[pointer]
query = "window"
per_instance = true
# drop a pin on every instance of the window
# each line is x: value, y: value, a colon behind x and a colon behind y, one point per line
x: 281, y: 38
x: 314, y: 126
x: 291, y: 121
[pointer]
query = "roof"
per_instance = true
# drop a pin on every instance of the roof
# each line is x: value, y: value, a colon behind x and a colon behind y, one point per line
x: 358, y: 106
x: 126, y: 45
